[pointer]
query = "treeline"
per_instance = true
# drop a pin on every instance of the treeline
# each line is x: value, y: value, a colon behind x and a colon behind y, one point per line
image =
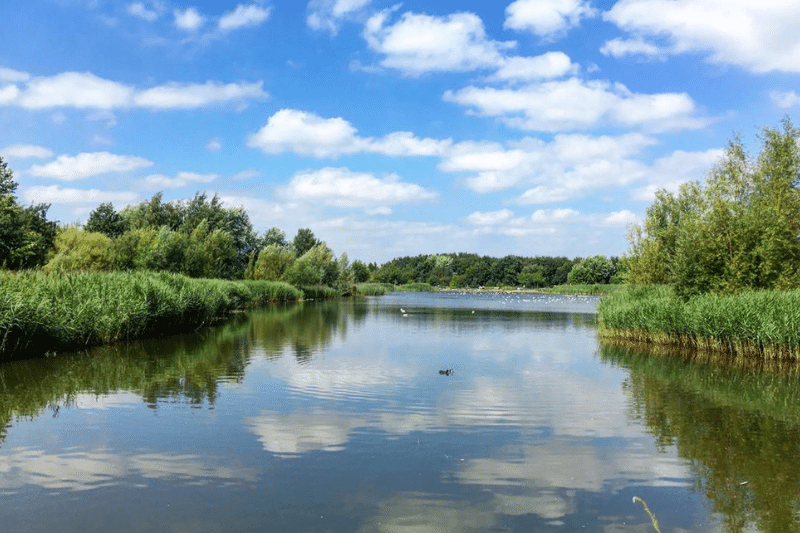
x: 473, y: 271
x: 739, y: 230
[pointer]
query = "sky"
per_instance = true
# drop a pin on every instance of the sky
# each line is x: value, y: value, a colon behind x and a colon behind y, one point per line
x: 526, y: 127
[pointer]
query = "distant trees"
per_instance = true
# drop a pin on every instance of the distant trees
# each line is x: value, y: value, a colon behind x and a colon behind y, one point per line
x: 741, y: 229
x: 591, y: 270
x: 26, y: 236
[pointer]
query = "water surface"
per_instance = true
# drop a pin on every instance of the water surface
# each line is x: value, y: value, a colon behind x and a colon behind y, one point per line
x: 335, y: 417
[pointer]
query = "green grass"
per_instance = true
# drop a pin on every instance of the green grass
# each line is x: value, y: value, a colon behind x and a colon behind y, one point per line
x: 45, y: 312
x: 415, y: 287
x: 373, y: 289
x: 595, y: 289
x: 319, y: 292
x: 749, y: 323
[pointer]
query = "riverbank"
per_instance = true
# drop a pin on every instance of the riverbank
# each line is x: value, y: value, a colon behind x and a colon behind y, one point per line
x: 763, y: 324
x: 43, y: 313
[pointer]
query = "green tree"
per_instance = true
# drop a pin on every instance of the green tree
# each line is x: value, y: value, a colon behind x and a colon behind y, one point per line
x: 275, y: 236
x: 76, y: 250
x: 595, y: 269
x: 272, y: 263
x: 532, y: 276
x: 303, y: 241
x: 309, y: 269
x: 360, y: 271
x: 105, y: 220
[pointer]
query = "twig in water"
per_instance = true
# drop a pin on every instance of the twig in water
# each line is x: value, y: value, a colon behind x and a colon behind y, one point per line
x: 649, y: 513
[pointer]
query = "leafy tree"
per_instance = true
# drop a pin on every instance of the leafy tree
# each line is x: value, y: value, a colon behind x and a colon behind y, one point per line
x: 595, y: 269
x: 80, y: 250
x: 309, y: 269
x: 275, y: 236
x: 532, y: 275
x: 106, y: 220
x: 153, y: 213
x: 345, y: 280
x: 303, y: 241
x: 272, y: 263
x: 360, y: 271
x: 26, y: 236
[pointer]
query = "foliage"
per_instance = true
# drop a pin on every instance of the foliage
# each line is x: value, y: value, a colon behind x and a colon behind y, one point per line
x: 360, y: 271
x: 80, y: 250
x: 762, y: 323
x: 41, y: 311
x: 309, y: 269
x: 272, y: 263
x: 26, y: 236
x: 738, y: 230
x: 104, y: 219
x: 275, y: 236
x: 591, y: 270
x: 303, y: 241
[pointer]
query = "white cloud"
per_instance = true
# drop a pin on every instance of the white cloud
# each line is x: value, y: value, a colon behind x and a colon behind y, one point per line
x: 189, y: 19
x: 576, y: 104
x: 490, y: 218
x: 554, y: 215
x: 545, y: 66
x: 638, y: 46
x: 785, y: 99
x: 75, y: 89
x: 24, y: 151
x: 670, y: 171
x: 84, y: 165
x: 13, y: 76
x: 547, y: 18
x: 757, y: 36
x: 139, y: 9
x: 214, y: 145
x: 568, y: 166
x: 419, y: 43
x: 326, y: 14
x: 53, y: 194
x: 290, y: 130
x: 244, y: 15
x: 620, y: 218
x: 345, y: 188
x: 8, y: 94
x: 181, y: 179
x: 196, y: 95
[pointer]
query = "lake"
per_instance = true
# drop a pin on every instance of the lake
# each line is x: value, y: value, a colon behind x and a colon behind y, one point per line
x: 408, y: 413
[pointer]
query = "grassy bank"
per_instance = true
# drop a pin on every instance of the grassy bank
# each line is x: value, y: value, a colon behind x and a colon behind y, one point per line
x: 41, y: 312
x: 592, y: 289
x: 752, y: 323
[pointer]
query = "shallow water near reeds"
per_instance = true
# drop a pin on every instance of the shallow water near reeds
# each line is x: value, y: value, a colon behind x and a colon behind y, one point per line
x: 335, y: 416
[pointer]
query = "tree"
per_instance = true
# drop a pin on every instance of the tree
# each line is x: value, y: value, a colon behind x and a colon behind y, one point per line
x: 303, y: 241
x: 595, y: 269
x: 275, y: 236
x: 532, y: 276
x: 78, y: 250
x: 309, y: 269
x: 272, y: 263
x: 360, y: 271
x: 105, y: 220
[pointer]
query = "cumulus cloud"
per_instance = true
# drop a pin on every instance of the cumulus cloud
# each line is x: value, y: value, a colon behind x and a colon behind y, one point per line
x: 24, y: 151
x: 84, y: 90
x: 490, y: 218
x: 196, y: 95
x: 245, y: 15
x: 620, y: 218
x: 181, y: 179
x: 546, y: 66
x: 53, y: 194
x: 565, y: 167
x: 670, y: 171
x: 419, y: 43
x: 575, y: 104
x: 547, y: 18
x: 638, y: 46
x: 139, y: 9
x: 757, y: 36
x: 215, y: 145
x: 189, y: 19
x: 344, y: 188
x: 785, y: 99
x: 327, y: 14
x: 84, y: 165
x: 13, y: 76
x: 290, y: 130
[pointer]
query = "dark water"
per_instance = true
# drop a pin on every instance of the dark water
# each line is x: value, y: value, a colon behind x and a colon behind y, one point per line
x: 336, y: 417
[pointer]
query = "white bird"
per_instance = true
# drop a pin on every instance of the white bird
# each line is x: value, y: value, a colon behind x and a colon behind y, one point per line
x: 402, y: 310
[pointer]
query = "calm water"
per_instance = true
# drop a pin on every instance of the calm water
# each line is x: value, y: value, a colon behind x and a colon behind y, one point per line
x: 335, y: 417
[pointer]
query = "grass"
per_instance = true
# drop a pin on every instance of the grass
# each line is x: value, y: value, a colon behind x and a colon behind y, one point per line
x: 373, y: 289
x: 46, y: 312
x: 415, y: 287
x: 750, y: 323
x: 319, y: 292
x: 594, y: 289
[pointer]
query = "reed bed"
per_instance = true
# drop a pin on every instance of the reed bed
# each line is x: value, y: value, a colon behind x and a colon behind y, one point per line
x: 415, y: 287
x: 319, y: 292
x: 583, y: 289
x: 748, y: 324
x: 373, y: 289
x: 44, y: 312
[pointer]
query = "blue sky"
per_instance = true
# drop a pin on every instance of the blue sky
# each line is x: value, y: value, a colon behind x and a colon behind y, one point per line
x: 530, y: 127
